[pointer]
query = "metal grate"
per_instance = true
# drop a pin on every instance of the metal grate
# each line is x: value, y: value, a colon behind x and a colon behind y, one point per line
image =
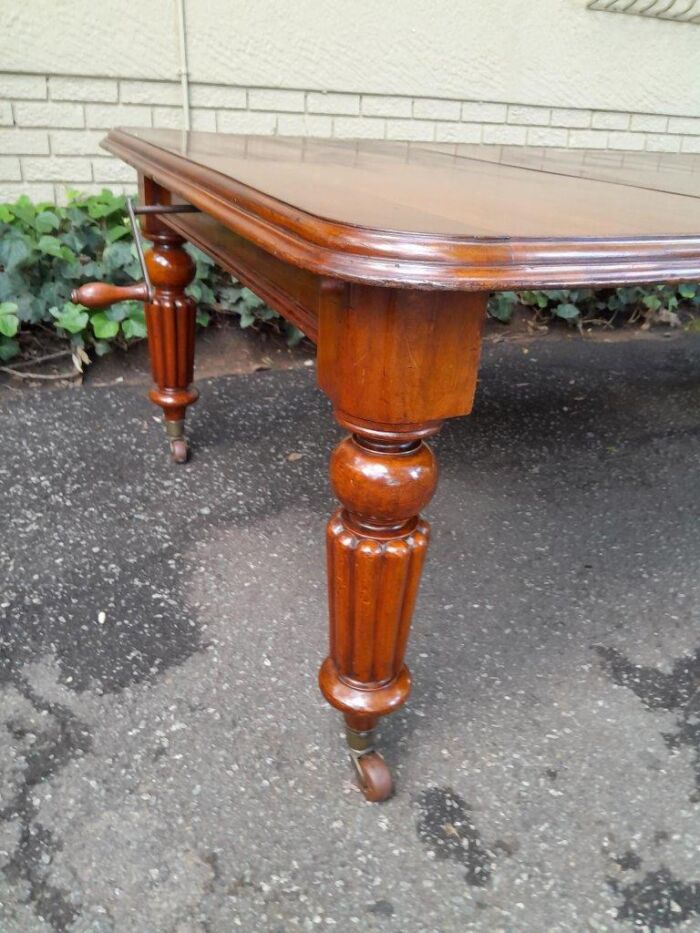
x: 679, y: 11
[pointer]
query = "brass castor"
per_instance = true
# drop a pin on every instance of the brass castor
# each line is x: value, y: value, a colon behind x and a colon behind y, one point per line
x: 179, y: 448
x: 372, y: 771
x: 374, y: 777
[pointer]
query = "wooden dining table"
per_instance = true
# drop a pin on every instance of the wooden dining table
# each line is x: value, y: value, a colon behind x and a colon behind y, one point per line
x: 384, y: 254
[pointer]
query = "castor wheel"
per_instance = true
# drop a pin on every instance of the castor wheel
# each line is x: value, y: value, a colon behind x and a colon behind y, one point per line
x: 374, y: 777
x: 179, y: 450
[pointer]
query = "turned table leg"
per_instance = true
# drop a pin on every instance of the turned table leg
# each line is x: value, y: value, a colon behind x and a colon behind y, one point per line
x: 376, y: 546
x: 395, y: 363
x: 170, y: 322
x: 170, y: 316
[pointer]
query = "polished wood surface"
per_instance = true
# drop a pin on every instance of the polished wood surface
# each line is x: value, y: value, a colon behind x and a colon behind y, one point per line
x: 672, y: 172
x: 384, y: 255
x: 424, y: 215
x: 102, y: 294
x: 394, y: 363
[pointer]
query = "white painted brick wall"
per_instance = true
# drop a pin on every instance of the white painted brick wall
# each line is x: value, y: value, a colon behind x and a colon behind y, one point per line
x: 217, y: 96
x: 316, y: 102
x: 48, y: 113
x: 562, y: 116
x: 530, y: 116
x: 279, y: 100
x: 609, y: 120
x: 458, y: 133
x: 63, y: 88
x: 479, y: 112
x: 432, y: 109
x: 51, y: 125
x: 6, y: 118
x: 421, y: 131
x: 23, y: 87
x: 378, y: 105
x: 10, y: 169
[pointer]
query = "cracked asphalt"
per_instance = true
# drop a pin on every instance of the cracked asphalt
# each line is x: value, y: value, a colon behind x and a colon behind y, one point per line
x: 167, y: 763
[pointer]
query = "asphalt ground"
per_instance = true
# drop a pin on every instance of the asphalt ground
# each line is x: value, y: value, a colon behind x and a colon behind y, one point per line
x: 167, y: 762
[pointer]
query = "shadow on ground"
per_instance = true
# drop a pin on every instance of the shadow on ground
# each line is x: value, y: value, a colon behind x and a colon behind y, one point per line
x: 167, y: 762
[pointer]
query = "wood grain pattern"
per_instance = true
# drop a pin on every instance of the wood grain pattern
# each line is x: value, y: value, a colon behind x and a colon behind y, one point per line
x: 398, y: 358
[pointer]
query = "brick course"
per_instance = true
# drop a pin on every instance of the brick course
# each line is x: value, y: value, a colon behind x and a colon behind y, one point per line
x: 51, y: 125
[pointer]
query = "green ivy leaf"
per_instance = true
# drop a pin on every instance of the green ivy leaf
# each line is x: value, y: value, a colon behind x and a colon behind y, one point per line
x: 199, y: 255
x: 133, y: 270
x: 8, y: 348
x: 123, y: 309
x: 651, y: 302
x: 250, y: 300
x: 203, y: 318
x: 50, y: 245
x: 685, y: 291
x: 105, y: 204
x: 208, y: 296
x: 71, y: 317
x: 567, y: 311
x: 132, y: 328
x: 103, y: 328
x: 117, y: 255
x: 24, y: 210
x: 294, y: 335
x: 502, y: 305
x: 73, y: 240
x: 112, y: 234
x: 9, y: 322
x: 8, y: 286
x: 101, y: 347
x: 230, y: 294
x: 14, y: 251
x: 46, y: 221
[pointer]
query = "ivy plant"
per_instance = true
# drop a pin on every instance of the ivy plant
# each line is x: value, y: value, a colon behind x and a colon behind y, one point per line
x: 612, y: 306
x: 46, y: 251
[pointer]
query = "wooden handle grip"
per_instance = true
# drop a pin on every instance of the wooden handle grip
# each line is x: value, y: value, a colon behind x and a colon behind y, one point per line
x: 101, y: 294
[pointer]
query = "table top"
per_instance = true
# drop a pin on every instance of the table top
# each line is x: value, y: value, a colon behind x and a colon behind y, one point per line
x: 439, y: 214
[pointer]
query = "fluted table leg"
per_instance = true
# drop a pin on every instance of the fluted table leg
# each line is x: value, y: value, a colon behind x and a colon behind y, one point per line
x: 170, y: 321
x: 376, y: 547
x: 395, y: 364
